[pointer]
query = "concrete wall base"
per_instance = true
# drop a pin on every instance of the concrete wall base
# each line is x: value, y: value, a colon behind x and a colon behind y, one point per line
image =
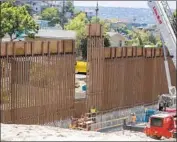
x: 61, y: 123
x: 104, y: 120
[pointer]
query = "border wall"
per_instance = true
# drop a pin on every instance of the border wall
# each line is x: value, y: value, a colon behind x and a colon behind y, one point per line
x: 124, y: 77
x: 38, y: 79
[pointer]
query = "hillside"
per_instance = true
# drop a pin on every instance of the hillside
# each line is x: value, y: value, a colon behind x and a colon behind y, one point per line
x: 142, y: 15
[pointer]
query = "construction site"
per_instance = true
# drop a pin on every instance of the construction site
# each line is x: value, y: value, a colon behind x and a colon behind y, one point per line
x: 38, y: 83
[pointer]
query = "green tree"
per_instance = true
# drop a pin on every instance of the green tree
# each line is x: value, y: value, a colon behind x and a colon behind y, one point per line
x: 78, y: 24
x: 159, y: 42
x: 174, y: 14
x: 102, y: 22
x: 29, y: 8
x: 52, y: 15
x: 16, y: 19
x: 76, y: 12
x: 107, y: 41
x: 95, y: 20
x: 122, y: 28
x: 140, y: 40
x: 136, y: 38
x: 152, y: 39
x: 83, y: 46
x: 142, y: 37
x: 69, y: 7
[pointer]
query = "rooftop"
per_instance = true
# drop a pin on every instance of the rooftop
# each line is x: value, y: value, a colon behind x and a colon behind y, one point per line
x: 116, y: 33
x: 48, y: 33
x: 57, y: 34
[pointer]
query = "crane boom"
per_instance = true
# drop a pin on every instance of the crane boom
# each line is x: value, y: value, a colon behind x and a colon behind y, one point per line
x: 166, y: 25
x: 169, y: 15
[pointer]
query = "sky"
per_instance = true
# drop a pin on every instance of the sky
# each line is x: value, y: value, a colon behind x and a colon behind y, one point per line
x: 133, y: 4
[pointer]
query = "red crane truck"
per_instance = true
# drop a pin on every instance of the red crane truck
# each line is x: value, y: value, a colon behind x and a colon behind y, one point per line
x: 161, y: 125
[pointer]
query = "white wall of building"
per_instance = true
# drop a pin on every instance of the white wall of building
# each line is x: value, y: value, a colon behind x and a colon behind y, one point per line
x: 117, y: 40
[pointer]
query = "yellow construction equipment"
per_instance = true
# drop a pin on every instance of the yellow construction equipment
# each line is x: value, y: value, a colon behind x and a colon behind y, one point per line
x: 81, y: 67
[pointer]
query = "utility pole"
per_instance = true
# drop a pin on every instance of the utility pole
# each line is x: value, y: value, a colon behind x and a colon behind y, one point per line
x: 63, y: 15
x: 97, y: 9
x: 0, y: 24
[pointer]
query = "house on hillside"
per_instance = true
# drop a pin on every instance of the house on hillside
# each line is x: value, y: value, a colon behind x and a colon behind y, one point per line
x: 45, y: 34
x: 7, y: 38
x: 38, y: 5
x: 42, y: 23
x: 53, y: 34
x: 116, y: 39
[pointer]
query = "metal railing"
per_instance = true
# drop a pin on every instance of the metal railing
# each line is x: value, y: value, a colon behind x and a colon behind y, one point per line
x: 108, y: 124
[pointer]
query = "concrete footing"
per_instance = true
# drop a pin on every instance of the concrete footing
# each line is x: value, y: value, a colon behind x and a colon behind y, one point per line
x: 108, y: 120
x: 61, y: 123
x: 115, y: 118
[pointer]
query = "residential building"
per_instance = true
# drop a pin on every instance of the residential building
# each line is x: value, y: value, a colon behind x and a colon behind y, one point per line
x: 39, y: 5
x: 116, y: 39
x: 46, y: 34
x: 36, y: 5
x: 54, y: 34
x: 42, y: 24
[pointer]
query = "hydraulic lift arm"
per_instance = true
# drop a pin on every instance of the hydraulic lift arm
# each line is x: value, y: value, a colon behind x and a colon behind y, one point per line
x: 166, y: 25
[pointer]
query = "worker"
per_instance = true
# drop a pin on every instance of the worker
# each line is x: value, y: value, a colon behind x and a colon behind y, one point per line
x: 93, y: 110
x: 165, y: 105
x: 161, y: 105
x: 81, y: 120
x: 93, y: 113
x: 73, y: 124
x: 133, y: 121
x: 85, y: 117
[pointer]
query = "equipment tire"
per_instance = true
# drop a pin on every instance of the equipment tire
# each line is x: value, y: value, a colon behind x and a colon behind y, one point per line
x: 157, y: 137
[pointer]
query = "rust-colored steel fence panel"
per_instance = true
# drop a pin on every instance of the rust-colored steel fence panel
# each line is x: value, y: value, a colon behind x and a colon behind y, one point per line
x: 80, y: 108
x: 125, y: 77
x: 96, y: 68
x: 37, y: 78
x: 37, y: 81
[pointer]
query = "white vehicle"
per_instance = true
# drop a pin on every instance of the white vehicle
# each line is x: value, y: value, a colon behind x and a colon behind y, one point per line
x: 167, y: 27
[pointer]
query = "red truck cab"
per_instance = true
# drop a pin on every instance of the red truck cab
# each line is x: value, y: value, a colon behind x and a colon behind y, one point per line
x: 161, y: 125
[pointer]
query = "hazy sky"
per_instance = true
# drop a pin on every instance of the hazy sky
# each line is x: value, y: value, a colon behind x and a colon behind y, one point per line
x: 134, y: 4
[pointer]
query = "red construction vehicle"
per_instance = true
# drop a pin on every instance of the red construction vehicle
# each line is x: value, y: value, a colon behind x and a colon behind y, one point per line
x: 161, y: 125
x: 164, y: 123
x: 166, y: 25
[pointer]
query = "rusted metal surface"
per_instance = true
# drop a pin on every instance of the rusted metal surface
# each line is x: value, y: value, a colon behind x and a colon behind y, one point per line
x: 95, y: 59
x: 31, y: 48
x: 38, y: 79
x: 130, y: 80
x: 79, y: 108
x: 125, y: 77
x: 38, y: 88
